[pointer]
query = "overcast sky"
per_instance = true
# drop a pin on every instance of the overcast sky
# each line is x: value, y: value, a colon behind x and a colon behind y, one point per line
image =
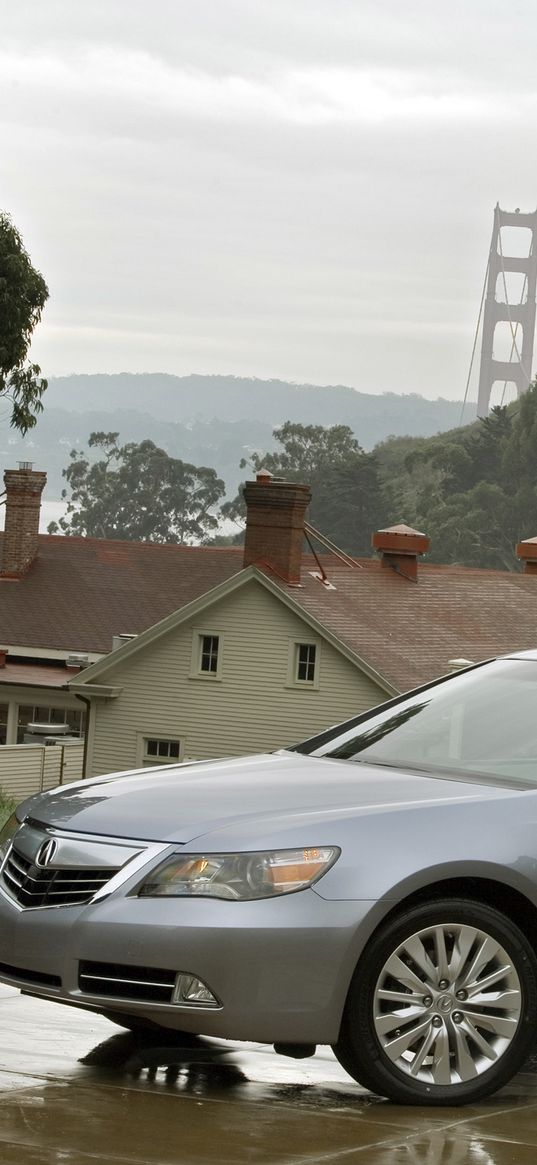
x: 279, y: 188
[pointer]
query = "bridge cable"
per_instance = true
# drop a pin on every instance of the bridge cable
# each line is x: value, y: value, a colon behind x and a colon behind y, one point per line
x: 478, y: 325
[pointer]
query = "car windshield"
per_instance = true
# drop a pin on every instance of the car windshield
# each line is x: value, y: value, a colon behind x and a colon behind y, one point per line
x: 480, y: 722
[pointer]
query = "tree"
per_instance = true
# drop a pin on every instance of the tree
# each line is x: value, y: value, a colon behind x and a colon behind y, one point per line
x: 474, y: 490
x: 519, y: 461
x: 478, y: 528
x: 346, y: 502
x: 138, y: 492
x: 23, y: 294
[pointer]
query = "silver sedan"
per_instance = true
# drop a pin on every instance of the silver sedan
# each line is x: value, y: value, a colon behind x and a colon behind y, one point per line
x: 374, y: 889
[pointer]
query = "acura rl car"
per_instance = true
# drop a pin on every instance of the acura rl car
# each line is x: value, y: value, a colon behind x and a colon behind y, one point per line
x: 374, y: 889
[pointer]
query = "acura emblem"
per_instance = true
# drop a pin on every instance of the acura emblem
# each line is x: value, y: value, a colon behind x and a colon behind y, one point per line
x: 46, y: 853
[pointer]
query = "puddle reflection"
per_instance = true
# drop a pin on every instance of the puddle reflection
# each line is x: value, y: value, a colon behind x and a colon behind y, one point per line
x: 194, y: 1064
x: 446, y: 1147
x: 189, y: 1062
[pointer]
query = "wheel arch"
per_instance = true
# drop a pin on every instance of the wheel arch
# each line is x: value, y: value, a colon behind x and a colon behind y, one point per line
x: 487, y: 890
x: 481, y: 887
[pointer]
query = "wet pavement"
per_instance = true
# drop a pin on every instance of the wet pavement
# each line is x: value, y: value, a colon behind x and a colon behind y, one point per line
x: 77, y: 1090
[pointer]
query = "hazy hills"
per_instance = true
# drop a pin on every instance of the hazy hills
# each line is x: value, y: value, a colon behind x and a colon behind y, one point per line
x: 187, y: 398
x: 211, y: 420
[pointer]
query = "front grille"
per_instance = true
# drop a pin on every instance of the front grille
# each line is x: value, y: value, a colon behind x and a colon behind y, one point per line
x: 121, y: 981
x: 32, y: 886
x: 38, y: 978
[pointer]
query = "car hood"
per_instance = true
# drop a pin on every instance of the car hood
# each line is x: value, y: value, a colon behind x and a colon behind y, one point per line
x: 243, y: 800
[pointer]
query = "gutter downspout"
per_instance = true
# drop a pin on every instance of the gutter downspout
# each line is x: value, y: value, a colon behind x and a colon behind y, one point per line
x: 85, y: 700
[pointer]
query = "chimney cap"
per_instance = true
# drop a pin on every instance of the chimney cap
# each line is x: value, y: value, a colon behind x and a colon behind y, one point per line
x: 400, y: 539
x: 25, y: 466
x: 264, y: 476
x: 401, y: 528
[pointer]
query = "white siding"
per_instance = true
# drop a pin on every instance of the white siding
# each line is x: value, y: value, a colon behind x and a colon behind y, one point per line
x: 252, y: 708
x: 30, y: 768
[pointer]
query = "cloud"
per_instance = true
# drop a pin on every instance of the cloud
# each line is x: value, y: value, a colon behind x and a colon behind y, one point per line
x: 299, y: 189
x: 321, y: 96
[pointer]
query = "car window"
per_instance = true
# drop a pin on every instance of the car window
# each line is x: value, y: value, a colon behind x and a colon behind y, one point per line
x: 483, y: 721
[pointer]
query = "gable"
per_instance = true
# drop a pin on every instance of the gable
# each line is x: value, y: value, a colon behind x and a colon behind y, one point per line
x: 106, y: 669
x: 250, y: 707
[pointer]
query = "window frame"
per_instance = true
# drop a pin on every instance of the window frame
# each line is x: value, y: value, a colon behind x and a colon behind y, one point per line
x: 293, y: 680
x: 196, y: 672
x: 145, y: 760
x: 80, y: 714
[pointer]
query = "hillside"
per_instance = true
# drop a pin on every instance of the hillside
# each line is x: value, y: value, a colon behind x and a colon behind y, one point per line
x: 211, y: 420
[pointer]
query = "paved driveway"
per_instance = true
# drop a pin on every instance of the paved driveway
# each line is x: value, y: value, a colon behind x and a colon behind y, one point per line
x: 77, y: 1090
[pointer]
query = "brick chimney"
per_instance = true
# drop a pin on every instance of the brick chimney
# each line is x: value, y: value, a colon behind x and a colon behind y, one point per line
x: 24, y: 487
x: 526, y: 551
x: 275, y: 514
x: 399, y: 547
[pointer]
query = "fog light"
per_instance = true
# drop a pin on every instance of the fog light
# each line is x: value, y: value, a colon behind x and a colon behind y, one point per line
x: 190, y: 991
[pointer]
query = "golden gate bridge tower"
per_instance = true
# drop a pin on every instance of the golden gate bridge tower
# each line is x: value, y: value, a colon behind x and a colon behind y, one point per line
x: 508, y: 275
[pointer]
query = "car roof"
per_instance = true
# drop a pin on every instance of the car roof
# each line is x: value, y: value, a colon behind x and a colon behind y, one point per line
x: 532, y: 654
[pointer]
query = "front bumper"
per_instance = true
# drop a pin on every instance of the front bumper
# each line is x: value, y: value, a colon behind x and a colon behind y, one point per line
x: 280, y: 967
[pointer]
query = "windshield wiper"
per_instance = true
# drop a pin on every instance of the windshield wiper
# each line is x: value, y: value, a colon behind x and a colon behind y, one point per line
x: 441, y: 772
x: 379, y: 764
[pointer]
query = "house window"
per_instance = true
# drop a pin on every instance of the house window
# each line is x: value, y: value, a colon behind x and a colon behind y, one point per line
x: 305, y: 662
x: 161, y: 752
x: 45, y: 714
x: 303, y: 665
x: 206, y: 663
x: 209, y: 645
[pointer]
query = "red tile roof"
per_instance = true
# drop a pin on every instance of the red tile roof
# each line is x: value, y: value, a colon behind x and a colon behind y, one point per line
x: 35, y: 675
x: 409, y: 631
x: 81, y: 591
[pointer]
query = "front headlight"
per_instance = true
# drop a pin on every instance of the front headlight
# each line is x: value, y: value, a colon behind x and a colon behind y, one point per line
x: 239, y: 876
x: 9, y: 830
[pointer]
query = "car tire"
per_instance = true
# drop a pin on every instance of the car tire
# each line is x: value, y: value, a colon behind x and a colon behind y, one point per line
x: 442, y: 1008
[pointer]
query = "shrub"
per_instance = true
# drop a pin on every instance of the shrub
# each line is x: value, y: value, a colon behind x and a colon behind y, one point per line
x: 7, y: 806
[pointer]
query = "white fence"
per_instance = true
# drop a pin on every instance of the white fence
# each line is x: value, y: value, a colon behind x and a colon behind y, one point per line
x: 31, y: 768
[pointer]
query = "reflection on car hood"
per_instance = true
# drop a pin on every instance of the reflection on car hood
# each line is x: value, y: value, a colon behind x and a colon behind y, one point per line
x: 251, y: 795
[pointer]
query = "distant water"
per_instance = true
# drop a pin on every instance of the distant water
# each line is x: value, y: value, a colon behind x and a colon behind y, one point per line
x: 50, y: 512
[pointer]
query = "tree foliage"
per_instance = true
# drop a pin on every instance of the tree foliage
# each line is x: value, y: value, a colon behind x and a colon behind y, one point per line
x: 23, y: 294
x: 138, y: 492
x: 346, y: 496
x: 474, y: 490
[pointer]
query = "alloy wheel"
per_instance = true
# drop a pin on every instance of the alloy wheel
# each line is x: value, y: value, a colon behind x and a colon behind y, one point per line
x: 447, y: 1004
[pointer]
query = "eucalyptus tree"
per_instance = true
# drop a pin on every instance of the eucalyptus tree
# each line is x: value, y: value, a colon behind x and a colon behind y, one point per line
x: 23, y: 294
x: 138, y: 492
